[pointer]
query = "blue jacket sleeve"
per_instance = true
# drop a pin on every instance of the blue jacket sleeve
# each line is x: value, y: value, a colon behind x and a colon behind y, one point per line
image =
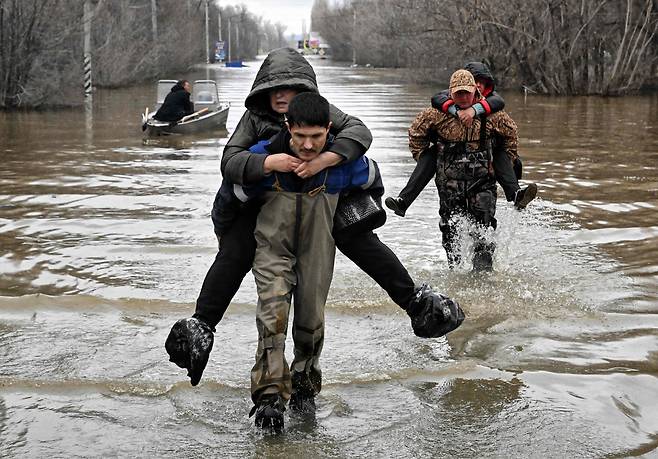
x: 364, y: 174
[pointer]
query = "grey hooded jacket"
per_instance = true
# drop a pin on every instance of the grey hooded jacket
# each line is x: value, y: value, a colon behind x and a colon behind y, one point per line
x: 283, y: 67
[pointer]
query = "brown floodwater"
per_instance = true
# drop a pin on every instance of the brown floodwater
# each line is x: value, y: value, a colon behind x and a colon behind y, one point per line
x: 105, y: 240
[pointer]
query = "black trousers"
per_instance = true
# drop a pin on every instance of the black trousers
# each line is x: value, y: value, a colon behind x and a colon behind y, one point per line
x: 421, y: 175
x: 506, y: 174
x: 425, y: 170
x: 236, y: 255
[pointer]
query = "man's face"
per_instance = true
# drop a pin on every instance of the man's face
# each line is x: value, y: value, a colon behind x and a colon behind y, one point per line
x: 280, y: 98
x: 463, y: 99
x: 307, y: 141
x: 187, y: 86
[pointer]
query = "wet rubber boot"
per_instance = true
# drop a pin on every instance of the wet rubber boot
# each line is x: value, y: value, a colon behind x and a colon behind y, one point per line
x: 483, y: 256
x: 433, y: 314
x: 269, y: 413
x: 302, y: 400
x: 448, y: 240
x: 189, y: 344
x: 453, y: 259
x: 524, y: 196
x: 397, y: 205
x: 482, y: 262
x: 302, y: 403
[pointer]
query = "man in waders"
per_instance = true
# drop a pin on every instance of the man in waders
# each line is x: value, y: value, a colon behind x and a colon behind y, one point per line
x: 465, y: 176
x: 295, y: 257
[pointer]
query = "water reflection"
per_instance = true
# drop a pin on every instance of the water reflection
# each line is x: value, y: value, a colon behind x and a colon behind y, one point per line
x: 181, y: 142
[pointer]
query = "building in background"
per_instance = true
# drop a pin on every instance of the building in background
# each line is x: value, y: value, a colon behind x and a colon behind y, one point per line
x: 311, y: 44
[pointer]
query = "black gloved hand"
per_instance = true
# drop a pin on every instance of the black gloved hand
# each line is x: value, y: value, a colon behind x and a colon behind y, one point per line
x: 433, y: 314
x: 189, y: 344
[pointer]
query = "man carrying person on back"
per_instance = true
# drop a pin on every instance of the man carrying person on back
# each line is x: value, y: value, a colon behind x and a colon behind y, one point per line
x: 465, y: 175
x: 283, y: 74
x: 295, y: 257
x: 507, y: 170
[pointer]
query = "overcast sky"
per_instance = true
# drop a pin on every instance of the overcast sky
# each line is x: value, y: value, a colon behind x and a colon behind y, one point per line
x: 287, y: 12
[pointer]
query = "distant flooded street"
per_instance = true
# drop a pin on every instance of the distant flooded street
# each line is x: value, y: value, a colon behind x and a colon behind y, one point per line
x: 105, y: 241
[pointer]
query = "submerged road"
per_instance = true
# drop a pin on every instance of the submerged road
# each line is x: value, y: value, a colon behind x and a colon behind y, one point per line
x: 105, y: 242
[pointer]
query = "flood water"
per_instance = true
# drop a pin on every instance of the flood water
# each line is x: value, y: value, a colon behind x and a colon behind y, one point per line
x: 105, y: 242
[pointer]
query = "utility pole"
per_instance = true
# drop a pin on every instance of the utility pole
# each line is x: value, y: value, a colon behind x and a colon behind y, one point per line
x: 207, y: 34
x: 220, y: 51
x: 87, y: 47
x: 89, y: 104
x: 230, y: 41
x: 154, y: 29
x: 154, y: 20
x: 354, y: 33
x: 237, y: 40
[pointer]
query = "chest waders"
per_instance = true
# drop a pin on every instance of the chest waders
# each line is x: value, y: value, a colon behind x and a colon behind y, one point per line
x: 294, y: 262
x: 467, y: 188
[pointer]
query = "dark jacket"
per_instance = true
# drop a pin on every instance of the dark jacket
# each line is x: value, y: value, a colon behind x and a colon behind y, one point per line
x: 176, y: 105
x: 492, y: 102
x: 362, y: 173
x: 283, y: 67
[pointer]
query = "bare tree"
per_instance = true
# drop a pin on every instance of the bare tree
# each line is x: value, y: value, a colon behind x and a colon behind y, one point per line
x: 549, y: 46
x: 274, y: 36
x: 35, y: 54
x: 41, y: 45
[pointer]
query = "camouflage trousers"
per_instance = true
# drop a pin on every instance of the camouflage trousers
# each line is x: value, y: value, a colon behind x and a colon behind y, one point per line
x: 294, y: 262
x: 475, y: 200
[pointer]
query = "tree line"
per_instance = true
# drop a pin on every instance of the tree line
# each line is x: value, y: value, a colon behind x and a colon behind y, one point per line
x: 41, y: 44
x: 561, y: 47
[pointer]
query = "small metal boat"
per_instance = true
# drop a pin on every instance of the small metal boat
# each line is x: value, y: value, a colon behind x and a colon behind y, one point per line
x: 210, y: 114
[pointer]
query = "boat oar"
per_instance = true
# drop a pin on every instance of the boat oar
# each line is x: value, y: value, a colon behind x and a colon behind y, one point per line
x: 192, y: 115
x: 145, y: 118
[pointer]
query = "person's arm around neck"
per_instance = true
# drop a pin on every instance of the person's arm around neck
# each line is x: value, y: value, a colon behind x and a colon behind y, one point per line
x: 324, y: 160
x: 281, y: 162
x: 352, y: 137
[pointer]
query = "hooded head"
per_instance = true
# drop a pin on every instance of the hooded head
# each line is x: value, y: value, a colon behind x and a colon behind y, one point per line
x: 482, y: 74
x: 181, y: 85
x: 282, y: 68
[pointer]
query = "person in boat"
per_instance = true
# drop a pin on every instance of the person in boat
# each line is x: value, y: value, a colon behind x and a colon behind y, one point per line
x: 507, y: 172
x: 177, y: 103
x: 465, y: 177
x: 295, y: 256
x: 284, y: 74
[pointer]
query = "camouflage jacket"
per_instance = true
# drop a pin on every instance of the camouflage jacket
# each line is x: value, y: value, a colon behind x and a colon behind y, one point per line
x: 433, y: 126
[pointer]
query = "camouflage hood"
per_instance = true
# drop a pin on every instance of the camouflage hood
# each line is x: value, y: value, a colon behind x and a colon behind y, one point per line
x: 283, y: 67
